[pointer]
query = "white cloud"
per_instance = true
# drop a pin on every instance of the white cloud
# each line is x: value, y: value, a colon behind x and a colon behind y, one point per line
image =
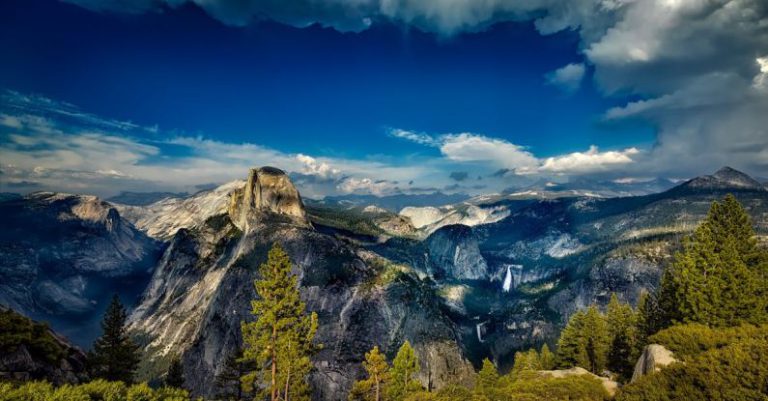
x: 417, y: 137
x: 514, y: 160
x: 568, y: 78
x: 55, y: 146
x: 662, y: 51
x: 312, y: 166
x: 468, y: 147
x: 591, y: 161
x: 366, y: 186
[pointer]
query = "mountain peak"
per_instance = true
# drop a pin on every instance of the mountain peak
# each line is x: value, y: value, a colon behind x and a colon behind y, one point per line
x: 268, y: 189
x: 725, y: 178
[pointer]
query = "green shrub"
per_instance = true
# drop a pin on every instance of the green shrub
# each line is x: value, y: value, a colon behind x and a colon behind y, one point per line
x: 17, y: 330
x: 453, y: 392
x: 97, y: 390
x: 29, y: 391
x: 69, y: 392
x: 573, y: 388
x: 692, y: 339
x: 737, y: 372
x: 102, y: 390
x: 140, y: 392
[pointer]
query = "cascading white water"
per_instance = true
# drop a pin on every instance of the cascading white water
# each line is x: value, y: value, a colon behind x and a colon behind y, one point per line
x: 507, y: 280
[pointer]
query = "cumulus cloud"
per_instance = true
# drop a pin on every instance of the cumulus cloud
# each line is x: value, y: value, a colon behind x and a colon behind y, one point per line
x: 514, y: 160
x: 567, y: 78
x: 468, y: 147
x: 591, y: 161
x: 312, y: 166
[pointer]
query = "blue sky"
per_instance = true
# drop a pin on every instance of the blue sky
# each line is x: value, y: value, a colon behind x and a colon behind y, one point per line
x: 366, y: 98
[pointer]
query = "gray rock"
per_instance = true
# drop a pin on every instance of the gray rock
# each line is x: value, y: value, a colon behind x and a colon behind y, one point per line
x: 455, y: 253
x: 653, y: 358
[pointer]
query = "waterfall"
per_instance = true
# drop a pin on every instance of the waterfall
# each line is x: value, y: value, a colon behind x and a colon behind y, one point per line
x: 507, y: 280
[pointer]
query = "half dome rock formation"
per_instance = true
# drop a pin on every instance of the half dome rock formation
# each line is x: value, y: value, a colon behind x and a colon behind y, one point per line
x: 202, y: 289
x: 267, y: 190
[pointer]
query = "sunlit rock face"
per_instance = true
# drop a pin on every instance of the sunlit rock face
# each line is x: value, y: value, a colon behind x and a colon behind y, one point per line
x: 267, y: 190
x: 202, y: 289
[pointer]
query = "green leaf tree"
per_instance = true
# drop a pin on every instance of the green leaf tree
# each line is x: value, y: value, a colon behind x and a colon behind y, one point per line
x: 372, y: 387
x: 487, y: 381
x: 622, y: 329
x: 546, y: 358
x: 719, y: 278
x: 570, y: 346
x: 280, y: 341
x: 596, y: 340
x: 115, y: 356
x: 405, y: 368
x: 585, y: 341
x: 527, y: 361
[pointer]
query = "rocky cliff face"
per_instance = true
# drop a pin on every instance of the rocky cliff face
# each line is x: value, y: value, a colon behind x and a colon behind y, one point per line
x: 201, y: 291
x: 455, y: 253
x: 62, y: 256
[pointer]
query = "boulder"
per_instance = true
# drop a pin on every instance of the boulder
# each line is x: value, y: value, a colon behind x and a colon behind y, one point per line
x: 653, y: 358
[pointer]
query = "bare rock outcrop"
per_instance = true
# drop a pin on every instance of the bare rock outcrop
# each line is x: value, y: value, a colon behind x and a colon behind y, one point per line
x: 609, y: 385
x: 653, y: 358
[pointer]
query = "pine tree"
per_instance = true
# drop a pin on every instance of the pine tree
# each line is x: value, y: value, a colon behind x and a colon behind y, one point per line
x: 649, y: 318
x: 175, y: 375
x: 526, y: 362
x: 405, y: 367
x: 585, y: 341
x: 115, y: 356
x: 546, y: 358
x: 622, y: 330
x: 571, y: 350
x: 719, y: 278
x: 280, y: 341
x: 597, y: 340
x: 372, y: 388
x: 487, y: 380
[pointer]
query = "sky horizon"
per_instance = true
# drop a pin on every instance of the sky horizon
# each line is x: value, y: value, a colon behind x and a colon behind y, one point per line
x: 378, y: 97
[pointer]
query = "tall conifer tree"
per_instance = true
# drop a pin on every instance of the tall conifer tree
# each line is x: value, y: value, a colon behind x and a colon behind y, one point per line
x: 402, y: 376
x: 115, y: 356
x: 372, y: 388
x: 280, y: 341
x: 719, y: 279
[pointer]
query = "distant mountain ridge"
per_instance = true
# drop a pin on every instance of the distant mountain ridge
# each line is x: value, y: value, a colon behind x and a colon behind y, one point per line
x: 483, y: 277
x: 726, y: 178
x: 144, y: 198
x: 62, y: 256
